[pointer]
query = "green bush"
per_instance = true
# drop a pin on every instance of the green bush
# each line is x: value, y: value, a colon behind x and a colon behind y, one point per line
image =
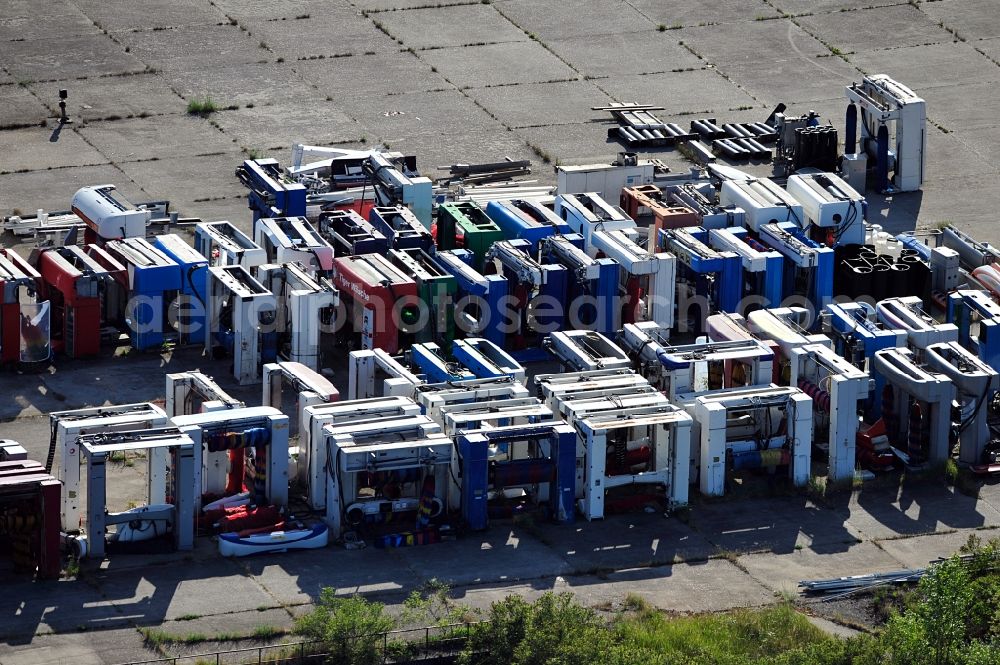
x: 732, y: 638
x: 350, y: 627
x: 554, y: 630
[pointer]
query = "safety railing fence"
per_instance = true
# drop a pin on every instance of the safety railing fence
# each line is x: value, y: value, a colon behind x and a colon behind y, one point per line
x: 431, y: 643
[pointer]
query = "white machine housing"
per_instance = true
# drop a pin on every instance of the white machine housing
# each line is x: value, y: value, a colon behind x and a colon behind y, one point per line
x: 184, y: 387
x: 580, y: 350
x: 847, y: 387
x: 607, y: 180
x: 829, y: 202
x: 307, y: 310
x: 975, y: 384
x: 907, y: 313
x: 68, y: 426
x: 684, y: 368
x: 455, y: 418
x: 108, y: 215
x: 554, y: 387
x: 900, y: 368
x: 363, y: 366
x: 659, y: 269
x: 434, y: 398
x: 253, y: 313
x: 763, y: 202
x: 782, y: 325
x: 313, y: 463
x: 588, y: 212
x: 224, y: 245
x: 293, y: 239
x: 389, y: 445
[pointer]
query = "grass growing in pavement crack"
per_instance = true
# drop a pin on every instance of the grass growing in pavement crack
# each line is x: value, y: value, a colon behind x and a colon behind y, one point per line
x: 202, y: 107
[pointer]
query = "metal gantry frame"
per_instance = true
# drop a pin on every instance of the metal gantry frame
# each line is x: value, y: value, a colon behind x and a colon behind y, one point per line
x: 933, y: 391
x: 169, y: 447
x: 307, y: 308
x: 541, y: 458
x: 65, y: 429
x: 753, y: 442
x: 975, y: 383
x: 839, y: 391
x: 215, y: 433
x: 313, y: 462
x: 242, y: 320
x: 663, y: 447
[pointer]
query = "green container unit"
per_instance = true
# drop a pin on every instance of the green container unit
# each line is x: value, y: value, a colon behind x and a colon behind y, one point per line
x: 436, y: 288
x: 466, y: 225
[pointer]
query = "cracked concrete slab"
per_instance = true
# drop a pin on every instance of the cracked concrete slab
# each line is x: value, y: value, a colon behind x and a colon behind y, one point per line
x: 919, y: 551
x: 794, y: 81
x: 500, y: 555
x: 971, y: 19
x: 626, y: 541
x: 212, y: 624
x: 137, y: 139
x: 990, y: 48
x: 917, y: 511
x: 779, y: 525
x: 498, y: 64
x: 195, y: 47
x: 695, y: 12
x: 275, y: 9
x: 574, y: 18
x: 577, y: 143
x: 63, y: 606
x: 709, y: 586
x: 297, y: 579
x: 825, y: 6
x: 758, y: 41
x: 75, y: 57
x: 122, y: 96
x: 680, y: 93
x: 541, y: 104
x: 436, y: 150
x: 923, y: 67
x: 46, y: 148
x: 601, y: 55
x: 216, y: 175
x: 452, y: 25
x: 119, y: 15
x: 270, y: 126
x: 378, y: 6
x: 368, y: 77
x: 20, y: 108
x: 782, y: 573
x: 878, y: 27
x: 21, y: 22
x: 416, y: 114
x: 53, y: 190
x: 250, y: 84
x: 328, y: 31
x: 152, y: 595
x: 962, y: 107
x: 121, y: 645
x: 974, y: 151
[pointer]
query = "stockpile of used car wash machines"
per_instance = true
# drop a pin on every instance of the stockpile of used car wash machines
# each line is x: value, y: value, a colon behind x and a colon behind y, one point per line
x: 610, y: 344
